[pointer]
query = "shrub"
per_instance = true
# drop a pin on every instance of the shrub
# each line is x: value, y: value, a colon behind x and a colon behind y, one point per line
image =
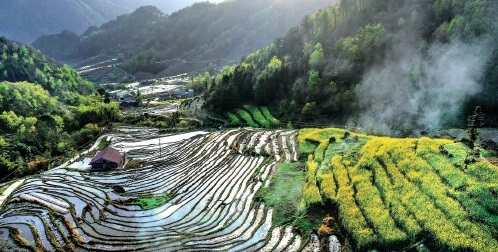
x: 183, y: 124
x: 289, y: 125
x: 134, y: 163
x: 274, y: 123
x: 37, y: 165
x: 324, y: 230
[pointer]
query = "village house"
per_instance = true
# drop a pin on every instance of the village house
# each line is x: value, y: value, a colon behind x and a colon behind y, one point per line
x: 109, y: 158
x: 162, y: 96
x: 124, y: 98
x: 183, y: 94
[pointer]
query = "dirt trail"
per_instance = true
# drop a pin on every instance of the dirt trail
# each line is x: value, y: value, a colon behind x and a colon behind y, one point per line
x: 9, y: 190
x: 493, y: 161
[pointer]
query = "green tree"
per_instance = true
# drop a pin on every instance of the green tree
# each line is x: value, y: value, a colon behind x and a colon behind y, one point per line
x: 9, y: 121
x: 316, y: 58
x: 315, y: 86
x: 367, y: 46
x: 474, y: 122
x: 309, y: 110
x: 268, y: 82
x: 101, y: 91
x: 107, y: 98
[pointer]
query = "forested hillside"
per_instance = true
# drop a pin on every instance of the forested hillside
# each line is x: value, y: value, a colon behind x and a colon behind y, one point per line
x: 47, y: 110
x: 388, y: 66
x: 201, y: 32
x: 26, y: 20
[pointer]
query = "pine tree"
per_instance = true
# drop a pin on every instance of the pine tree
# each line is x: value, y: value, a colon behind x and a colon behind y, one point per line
x: 474, y: 122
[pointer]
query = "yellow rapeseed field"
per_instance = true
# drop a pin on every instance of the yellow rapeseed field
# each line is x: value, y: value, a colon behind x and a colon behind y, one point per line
x: 391, y: 193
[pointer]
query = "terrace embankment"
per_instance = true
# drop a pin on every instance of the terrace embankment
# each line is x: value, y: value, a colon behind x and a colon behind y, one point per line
x: 193, y: 192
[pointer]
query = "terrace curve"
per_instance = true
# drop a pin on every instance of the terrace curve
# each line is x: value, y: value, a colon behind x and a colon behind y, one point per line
x: 210, y: 178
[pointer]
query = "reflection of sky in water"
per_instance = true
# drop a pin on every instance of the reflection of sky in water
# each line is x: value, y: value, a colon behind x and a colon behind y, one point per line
x: 214, y: 191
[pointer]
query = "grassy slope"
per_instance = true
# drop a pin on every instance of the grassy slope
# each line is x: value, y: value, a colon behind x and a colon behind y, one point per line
x: 285, y: 193
x: 392, y: 193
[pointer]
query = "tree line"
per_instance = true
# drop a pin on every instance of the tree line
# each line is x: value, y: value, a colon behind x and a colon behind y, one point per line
x: 315, y: 71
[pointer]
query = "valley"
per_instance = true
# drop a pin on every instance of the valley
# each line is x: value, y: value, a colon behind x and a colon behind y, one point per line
x: 264, y: 125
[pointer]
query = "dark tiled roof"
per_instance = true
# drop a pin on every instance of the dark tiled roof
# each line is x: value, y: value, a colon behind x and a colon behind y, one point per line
x: 109, y: 154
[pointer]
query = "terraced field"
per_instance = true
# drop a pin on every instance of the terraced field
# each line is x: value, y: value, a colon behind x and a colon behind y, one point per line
x: 402, y: 193
x: 200, y: 187
x: 228, y: 191
x: 254, y: 117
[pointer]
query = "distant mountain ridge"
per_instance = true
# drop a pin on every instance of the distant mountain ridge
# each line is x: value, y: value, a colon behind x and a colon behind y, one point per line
x: 201, y: 32
x: 25, y: 20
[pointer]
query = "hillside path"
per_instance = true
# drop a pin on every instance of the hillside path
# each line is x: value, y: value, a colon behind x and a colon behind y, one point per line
x: 9, y: 190
x: 94, y: 146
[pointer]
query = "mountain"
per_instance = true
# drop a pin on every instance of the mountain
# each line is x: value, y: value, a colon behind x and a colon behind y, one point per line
x: 393, y: 67
x: 201, y: 32
x: 166, y: 6
x: 25, y: 20
x: 46, y: 110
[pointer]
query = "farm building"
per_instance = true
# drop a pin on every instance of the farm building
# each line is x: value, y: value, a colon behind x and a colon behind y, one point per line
x: 108, y: 159
x: 176, y: 95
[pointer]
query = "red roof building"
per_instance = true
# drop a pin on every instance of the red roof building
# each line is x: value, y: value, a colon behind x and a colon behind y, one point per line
x: 109, y: 158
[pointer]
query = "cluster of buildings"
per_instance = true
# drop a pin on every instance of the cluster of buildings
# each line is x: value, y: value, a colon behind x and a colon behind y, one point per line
x: 176, y: 95
x: 126, y: 99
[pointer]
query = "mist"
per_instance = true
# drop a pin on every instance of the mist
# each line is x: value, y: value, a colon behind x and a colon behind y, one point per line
x: 167, y: 6
x: 420, y: 89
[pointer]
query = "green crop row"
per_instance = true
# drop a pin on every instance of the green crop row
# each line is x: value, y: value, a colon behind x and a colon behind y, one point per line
x: 322, y: 138
x: 274, y: 122
x: 426, y: 187
x: 257, y: 115
x: 474, y: 196
x: 253, y: 117
x: 399, y: 212
x: 311, y: 192
x: 351, y: 216
x: 372, y: 205
x: 386, y: 176
x: 247, y: 118
x: 394, y: 192
x: 233, y: 119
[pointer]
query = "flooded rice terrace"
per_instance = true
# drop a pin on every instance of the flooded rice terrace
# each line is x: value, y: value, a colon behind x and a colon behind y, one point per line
x: 211, y: 179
